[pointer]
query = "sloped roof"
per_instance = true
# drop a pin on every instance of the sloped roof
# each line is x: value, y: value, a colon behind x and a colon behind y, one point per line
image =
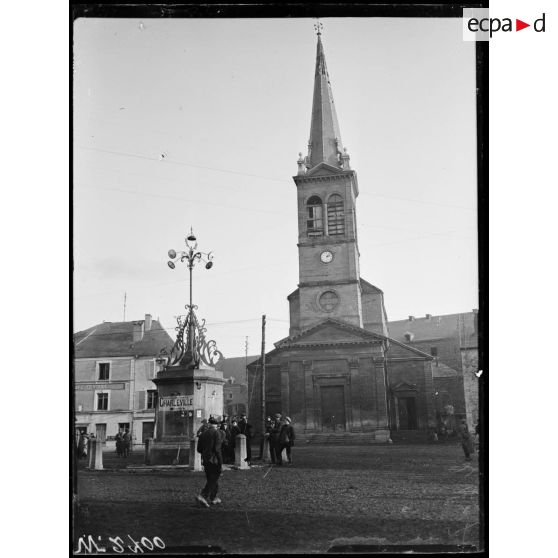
x: 235, y: 367
x: 113, y: 339
x: 359, y: 335
x: 368, y: 288
x: 460, y: 326
x: 442, y: 370
x: 325, y: 137
x: 356, y: 333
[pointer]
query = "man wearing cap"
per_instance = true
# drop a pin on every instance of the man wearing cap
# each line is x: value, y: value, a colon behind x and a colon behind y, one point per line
x: 286, y: 441
x: 246, y: 429
x: 209, y: 445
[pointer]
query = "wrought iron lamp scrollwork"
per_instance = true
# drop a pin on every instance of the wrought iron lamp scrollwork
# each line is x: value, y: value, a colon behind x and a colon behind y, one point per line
x: 191, y: 346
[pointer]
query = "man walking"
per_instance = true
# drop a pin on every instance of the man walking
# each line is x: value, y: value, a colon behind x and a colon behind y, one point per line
x: 209, y: 446
x: 286, y: 441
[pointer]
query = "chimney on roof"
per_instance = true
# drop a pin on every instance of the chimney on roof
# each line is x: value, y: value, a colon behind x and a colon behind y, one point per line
x: 428, y: 316
x: 147, y: 325
x: 411, y: 318
x: 137, y: 332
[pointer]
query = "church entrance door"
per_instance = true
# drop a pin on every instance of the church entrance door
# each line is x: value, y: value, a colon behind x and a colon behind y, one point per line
x: 333, y: 408
x: 407, y: 413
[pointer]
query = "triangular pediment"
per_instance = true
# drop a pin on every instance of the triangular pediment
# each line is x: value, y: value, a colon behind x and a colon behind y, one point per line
x: 404, y: 386
x: 323, y: 169
x: 331, y: 332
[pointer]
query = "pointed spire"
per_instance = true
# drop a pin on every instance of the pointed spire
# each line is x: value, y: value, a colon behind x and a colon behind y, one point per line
x: 325, y: 138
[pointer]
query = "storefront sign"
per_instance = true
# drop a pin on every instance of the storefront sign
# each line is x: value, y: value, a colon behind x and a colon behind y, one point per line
x: 181, y: 401
x: 91, y: 387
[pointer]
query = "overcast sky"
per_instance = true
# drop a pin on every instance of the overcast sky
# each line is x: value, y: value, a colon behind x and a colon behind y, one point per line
x: 198, y: 122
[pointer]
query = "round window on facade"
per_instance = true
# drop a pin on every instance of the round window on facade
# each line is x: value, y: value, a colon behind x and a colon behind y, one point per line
x: 328, y: 301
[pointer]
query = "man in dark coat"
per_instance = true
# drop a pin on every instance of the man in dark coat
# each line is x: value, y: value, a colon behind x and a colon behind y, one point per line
x: 209, y: 446
x: 202, y: 428
x: 246, y: 429
x: 274, y: 444
x: 466, y: 442
x: 126, y: 443
x: 286, y: 441
x: 226, y: 442
x: 119, y: 442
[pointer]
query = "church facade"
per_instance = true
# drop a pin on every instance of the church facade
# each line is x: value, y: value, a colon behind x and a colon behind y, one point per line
x: 338, y: 371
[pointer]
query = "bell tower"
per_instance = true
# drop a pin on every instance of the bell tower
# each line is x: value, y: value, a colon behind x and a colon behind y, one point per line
x: 327, y: 188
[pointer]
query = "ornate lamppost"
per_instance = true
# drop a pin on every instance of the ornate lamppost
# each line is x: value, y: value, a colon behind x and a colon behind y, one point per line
x: 194, y: 348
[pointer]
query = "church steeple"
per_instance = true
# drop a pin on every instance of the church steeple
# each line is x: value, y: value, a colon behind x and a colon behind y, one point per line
x: 325, y: 138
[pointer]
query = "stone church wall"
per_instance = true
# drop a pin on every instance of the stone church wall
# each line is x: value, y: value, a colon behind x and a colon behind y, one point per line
x: 373, y: 313
x: 471, y: 385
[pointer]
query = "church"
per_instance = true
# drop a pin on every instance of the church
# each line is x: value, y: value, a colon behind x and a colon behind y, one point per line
x: 338, y: 373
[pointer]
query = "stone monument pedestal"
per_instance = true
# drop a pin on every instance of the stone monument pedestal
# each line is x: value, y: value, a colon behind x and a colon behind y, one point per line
x: 195, y: 457
x: 186, y: 396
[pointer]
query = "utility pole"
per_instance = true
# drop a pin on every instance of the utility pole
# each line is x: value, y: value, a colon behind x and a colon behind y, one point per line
x: 263, y: 384
x: 124, y: 308
x: 246, y: 356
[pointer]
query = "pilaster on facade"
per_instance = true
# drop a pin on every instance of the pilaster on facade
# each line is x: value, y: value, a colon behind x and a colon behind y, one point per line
x: 355, y: 394
x: 285, y: 400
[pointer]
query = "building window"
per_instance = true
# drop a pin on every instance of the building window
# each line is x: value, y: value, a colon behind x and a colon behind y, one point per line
x: 104, y: 370
x: 230, y: 395
x: 335, y: 216
x: 151, y: 398
x: 102, y: 401
x: 434, y: 351
x: 314, y: 217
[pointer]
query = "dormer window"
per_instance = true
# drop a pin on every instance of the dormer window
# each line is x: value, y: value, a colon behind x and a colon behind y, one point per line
x: 335, y: 216
x: 314, y: 217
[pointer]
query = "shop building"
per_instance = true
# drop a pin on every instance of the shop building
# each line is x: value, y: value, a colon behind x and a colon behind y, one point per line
x: 114, y: 365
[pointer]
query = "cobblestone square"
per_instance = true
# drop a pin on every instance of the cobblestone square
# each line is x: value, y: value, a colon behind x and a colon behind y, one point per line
x: 332, y: 495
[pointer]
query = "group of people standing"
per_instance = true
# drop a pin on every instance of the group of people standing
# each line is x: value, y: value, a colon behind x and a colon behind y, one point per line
x: 229, y: 428
x: 281, y: 436
x: 217, y: 442
x: 123, y: 443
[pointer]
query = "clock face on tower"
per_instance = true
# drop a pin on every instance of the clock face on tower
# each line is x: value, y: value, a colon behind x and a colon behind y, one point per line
x: 326, y: 256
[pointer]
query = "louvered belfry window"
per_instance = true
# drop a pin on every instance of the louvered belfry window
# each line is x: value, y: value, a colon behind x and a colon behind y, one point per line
x: 335, y: 216
x: 314, y: 220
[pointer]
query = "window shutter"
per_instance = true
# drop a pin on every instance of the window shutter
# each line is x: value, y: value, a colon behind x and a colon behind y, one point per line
x: 141, y: 400
x: 150, y: 369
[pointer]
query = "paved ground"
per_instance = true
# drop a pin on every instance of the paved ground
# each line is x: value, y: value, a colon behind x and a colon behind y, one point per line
x: 331, y: 496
